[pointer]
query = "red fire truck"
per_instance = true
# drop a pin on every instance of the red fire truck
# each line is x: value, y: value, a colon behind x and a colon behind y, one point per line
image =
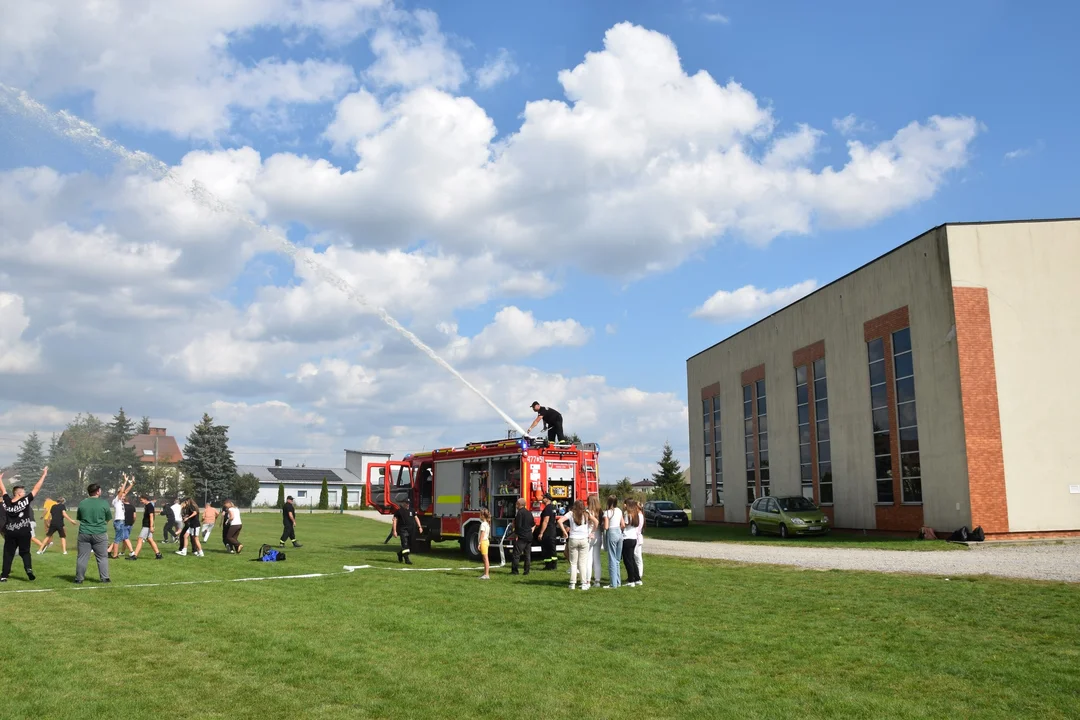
x: 449, y: 487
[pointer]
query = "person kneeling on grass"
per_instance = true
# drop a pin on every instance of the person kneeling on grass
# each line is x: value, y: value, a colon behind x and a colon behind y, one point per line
x: 485, y: 542
x: 232, y: 521
x: 17, y: 525
x: 405, y: 525
x: 147, y: 532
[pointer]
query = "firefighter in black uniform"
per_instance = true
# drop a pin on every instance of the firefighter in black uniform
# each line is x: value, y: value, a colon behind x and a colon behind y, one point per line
x: 552, y: 422
x: 406, y: 526
x: 523, y: 537
x: 547, y: 534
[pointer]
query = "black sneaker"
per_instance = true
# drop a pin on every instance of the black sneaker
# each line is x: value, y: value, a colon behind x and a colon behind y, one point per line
x: 408, y: 561
x: 514, y: 572
x: 132, y: 557
x: 156, y: 557
x: 107, y: 580
x: 30, y: 575
x: 78, y: 582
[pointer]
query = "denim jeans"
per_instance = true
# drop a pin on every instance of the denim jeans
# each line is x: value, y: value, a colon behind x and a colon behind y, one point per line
x: 614, y: 550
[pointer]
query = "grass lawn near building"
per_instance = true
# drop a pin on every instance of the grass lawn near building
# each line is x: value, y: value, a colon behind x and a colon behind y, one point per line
x: 713, y: 532
x: 699, y: 639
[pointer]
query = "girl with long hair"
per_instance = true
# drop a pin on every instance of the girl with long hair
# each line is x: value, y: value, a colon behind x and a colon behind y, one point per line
x: 613, y: 540
x: 634, y: 521
x: 596, y: 538
x: 232, y: 519
x: 485, y: 542
x: 582, y: 525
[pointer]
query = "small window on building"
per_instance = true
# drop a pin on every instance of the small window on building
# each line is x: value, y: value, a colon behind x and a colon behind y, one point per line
x: 148, y: 452
x: 301, y: 494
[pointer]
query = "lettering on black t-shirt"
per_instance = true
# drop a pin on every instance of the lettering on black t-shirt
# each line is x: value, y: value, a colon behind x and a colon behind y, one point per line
x: 16, y: 512
x: 148, y: 512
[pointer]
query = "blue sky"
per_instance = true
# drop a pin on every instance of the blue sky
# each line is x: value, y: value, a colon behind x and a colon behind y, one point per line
x: 561, y: 256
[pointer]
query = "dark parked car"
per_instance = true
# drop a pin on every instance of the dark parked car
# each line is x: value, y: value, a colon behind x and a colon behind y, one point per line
x: 665, y: 512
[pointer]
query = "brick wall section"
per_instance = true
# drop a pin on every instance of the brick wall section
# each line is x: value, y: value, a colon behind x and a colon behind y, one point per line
x: 710, y: 391
x: 753, y: 375
x: 806, y: 356
x: 982, y: 419
x: 896, y: 516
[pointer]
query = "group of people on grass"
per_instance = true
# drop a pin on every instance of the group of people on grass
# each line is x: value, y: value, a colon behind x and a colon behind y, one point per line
x: 183, y: 525
x: 589, y: 531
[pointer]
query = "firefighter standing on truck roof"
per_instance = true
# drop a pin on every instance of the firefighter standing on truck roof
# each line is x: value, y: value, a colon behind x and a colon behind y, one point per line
x: 547, y: 534
x: 552, y: 422
x: 406, y: 525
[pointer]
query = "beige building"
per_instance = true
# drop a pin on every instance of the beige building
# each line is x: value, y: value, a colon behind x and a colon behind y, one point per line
x: 934, y: 386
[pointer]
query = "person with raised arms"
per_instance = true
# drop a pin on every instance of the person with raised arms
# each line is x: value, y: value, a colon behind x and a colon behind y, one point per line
x: 17, y: 525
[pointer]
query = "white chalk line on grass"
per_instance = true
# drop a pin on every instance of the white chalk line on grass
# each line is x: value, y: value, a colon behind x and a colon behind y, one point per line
x: 346, y: 570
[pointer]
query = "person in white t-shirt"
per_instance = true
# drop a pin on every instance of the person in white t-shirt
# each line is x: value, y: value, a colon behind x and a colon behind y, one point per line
x: 613, y: 539
x: 485, y: 542
x: 582, y: 526
x: 232, y: 519
x: 634, y: 520
x: 638, y: 551
x: 121, y: 531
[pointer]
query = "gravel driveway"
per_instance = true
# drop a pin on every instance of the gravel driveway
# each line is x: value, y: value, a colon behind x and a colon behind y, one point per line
x: 1034, y: 562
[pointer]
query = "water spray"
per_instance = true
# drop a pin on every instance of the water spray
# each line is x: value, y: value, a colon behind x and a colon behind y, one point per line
x: 76, y: 130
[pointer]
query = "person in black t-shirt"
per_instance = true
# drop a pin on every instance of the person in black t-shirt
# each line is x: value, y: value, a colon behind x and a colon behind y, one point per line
x: 406, y: 525
x: 288, y: 520
x: 17, y: 525
x: 57, y: 515
x: 548, y: 523
x: 146, y: 534
x: 523, y: 537
x: 552, y: 422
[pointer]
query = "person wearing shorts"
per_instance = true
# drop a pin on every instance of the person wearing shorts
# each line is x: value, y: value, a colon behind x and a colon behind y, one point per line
x: 57, y: 515
x: 146, y: 533
x: 121, y: 531
x: 209, y: 518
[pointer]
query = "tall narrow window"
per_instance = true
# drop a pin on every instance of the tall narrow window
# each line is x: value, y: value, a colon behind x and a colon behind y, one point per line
x: 879, y: 408
x: 706, y: 417
x: 906, y: 425
x: 748, y: 437
x: 718, y: 454
x: 824, y: 446
x: 763, y: 437
x: 802, y: 402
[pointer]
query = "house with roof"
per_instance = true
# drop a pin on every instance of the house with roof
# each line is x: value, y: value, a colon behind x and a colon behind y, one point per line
x: 305, y: 483
x: 160, y: 455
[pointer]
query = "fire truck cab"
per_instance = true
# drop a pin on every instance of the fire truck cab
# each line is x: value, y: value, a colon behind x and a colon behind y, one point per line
x: 449, y: 487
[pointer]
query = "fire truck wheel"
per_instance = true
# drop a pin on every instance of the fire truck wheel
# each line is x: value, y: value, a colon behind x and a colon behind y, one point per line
x: 470, y: 544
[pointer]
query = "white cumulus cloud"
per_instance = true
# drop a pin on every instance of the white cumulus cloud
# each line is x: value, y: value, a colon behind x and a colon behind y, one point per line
x: 497, y: 69
x: 749, y: 301
x: 516, y: 333
x: 16, y: 355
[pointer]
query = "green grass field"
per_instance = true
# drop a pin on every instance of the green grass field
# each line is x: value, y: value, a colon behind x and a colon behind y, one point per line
x: 699, y: 639
x: 710, y: 532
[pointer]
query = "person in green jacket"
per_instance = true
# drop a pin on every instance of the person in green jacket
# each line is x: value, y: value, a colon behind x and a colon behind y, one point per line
x: 93, y: 516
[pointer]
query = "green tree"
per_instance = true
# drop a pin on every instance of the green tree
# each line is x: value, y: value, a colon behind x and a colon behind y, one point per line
x: 75, y: 457
x: 208, y: 461
x: 324, y: 496
x: 244, y: 489
x: 280, y: 496
x: 144, y: 425
x: 344, y: 498
x: 669, y: 479
x: 574, y: 438
x: 118, y: 459
x: 623, y: 489
x: 31, y: 460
